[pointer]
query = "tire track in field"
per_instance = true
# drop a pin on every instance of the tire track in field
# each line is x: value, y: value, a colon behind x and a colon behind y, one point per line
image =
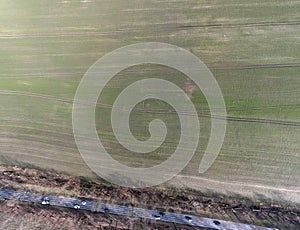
x: 259, y: 66
x: 67, y: 34
x: 231, y: 118
x: 223, y: 68
x: 41, y: 75
x: 239, y: 25
x: 240, y: 184
x: 170, y: 28
x: 252, y: 108
x: 228, y: 118
x: 43, y: 96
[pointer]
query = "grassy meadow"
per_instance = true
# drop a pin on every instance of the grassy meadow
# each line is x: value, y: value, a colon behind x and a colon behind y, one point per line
x: 251, y: 47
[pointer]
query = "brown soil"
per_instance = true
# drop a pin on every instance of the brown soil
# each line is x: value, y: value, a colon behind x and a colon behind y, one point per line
x: 189, y: 87
x: 259, y: 212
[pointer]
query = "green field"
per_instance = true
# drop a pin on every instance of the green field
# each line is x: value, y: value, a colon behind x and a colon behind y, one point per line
x: 251, y: 47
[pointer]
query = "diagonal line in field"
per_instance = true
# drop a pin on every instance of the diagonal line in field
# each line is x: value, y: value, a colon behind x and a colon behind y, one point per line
x: 229, y: 118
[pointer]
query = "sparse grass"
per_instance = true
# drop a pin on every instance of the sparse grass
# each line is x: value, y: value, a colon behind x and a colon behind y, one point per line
x: 52, y: 45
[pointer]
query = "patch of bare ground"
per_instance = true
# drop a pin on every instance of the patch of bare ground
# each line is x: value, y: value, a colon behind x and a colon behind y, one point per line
x: 189, y: 87
x: 238, y: 209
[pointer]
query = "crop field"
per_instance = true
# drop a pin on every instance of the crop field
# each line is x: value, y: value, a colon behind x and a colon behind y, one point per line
x: 251, y: 47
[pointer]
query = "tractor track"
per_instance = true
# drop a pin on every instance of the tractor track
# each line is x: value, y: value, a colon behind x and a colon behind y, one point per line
x: 130, y: 30
x: 240, y: 25
x: 216, y: 68
x: 228, y: 118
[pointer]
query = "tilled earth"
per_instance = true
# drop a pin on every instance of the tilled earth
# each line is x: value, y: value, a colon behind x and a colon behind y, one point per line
x: 21, y: 215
